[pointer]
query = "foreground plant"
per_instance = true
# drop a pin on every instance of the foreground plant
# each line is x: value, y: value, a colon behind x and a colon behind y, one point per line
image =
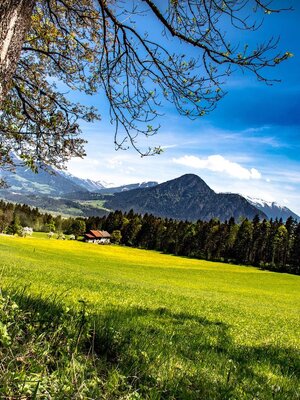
x: 41, y: 353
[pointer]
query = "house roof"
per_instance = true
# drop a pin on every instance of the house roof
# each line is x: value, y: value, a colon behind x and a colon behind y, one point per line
x: 105, y: 234
x: 89, y: 236
x: 98, y: 234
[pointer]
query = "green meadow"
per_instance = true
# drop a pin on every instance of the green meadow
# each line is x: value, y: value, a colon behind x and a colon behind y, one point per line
x: 158, y: 326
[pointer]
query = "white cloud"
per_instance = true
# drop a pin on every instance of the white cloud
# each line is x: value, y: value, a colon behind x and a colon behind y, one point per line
x: 218, y: 163
x: 256, y: 129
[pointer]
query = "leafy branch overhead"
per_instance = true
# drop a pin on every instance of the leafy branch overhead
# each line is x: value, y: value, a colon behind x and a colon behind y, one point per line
x: 93, y: 46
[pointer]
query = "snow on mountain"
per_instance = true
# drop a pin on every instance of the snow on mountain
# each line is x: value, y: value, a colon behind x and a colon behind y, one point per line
x: 126, y: 188
x: 261, y: 202
x: 272, y: 209
x: 106, y: 184
x: 138, y: 186
x: 86, y: 184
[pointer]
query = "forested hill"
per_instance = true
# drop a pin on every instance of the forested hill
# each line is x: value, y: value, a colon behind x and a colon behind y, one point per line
x: 187, y: 197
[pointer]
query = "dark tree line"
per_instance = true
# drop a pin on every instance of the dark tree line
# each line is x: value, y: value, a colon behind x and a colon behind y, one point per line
x: 272, y: 245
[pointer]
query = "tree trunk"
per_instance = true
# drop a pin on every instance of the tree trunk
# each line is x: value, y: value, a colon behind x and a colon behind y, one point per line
x: 15, y: 16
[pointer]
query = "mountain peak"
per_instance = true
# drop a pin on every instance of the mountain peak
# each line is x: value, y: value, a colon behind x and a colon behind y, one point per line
x: 188, y: 183
x: 190, y: 178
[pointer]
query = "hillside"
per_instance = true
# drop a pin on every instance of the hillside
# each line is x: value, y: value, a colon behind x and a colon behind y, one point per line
x: 153, y: 326
x: 187, y: 197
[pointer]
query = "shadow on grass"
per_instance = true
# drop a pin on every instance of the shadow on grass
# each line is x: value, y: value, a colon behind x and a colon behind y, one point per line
x: 163, y: 354
x: 185, y: 356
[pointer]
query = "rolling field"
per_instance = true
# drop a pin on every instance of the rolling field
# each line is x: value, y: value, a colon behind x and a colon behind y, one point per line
x: 168, y: 327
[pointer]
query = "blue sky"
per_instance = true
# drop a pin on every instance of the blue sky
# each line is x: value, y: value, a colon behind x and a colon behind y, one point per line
x: 250, y: 144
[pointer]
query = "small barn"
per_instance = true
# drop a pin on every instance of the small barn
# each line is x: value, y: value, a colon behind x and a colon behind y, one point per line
x: 99, y: 237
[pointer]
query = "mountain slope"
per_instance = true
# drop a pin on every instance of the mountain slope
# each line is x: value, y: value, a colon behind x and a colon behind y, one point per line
x: 273, y: 209
x: 27, y: 182
x: 60, y: 183
x: 52, y: 182
x: 187, y: 197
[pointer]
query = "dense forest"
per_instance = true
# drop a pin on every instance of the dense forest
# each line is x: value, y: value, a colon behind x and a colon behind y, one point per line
x: 272, y: 244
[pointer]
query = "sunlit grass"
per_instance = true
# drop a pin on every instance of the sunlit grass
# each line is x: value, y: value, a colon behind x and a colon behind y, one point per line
x: 183, y: 328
